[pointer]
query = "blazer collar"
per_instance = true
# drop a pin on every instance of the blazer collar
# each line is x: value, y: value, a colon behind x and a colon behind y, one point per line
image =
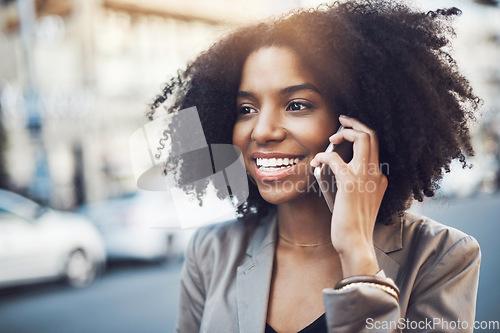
x: 265, y: 234
x: 253, y: 282
x: 387, y: 239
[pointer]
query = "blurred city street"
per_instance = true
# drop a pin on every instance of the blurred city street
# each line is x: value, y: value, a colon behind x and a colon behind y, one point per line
x: 130, y: 297
x: 138, y: 297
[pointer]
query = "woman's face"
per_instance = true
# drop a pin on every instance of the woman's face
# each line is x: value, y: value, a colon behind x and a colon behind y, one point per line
x: 284, y: 121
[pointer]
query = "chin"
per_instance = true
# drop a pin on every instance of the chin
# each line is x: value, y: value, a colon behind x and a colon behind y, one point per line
x: 279, y: 196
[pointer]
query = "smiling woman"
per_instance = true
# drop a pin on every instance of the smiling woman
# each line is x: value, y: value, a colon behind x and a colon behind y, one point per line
x: 275, y: 119
x: 279, y: 91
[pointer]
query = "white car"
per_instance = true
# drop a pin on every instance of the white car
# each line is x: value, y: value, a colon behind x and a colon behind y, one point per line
x: 39, y: 244
x: 131, y: 227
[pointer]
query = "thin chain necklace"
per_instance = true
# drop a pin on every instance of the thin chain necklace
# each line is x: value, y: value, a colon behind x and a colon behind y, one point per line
x: 303, y: 244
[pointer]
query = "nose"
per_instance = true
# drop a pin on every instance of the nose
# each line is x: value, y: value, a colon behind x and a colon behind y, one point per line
x: 269, y: 126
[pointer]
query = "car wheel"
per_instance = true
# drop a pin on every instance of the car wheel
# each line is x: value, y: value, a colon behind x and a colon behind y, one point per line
x: 80, y: 270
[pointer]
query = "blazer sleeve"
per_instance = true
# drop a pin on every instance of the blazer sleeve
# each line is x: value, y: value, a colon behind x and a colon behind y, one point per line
x: 443, y: 296
x: 192, y: 292
x: 446, y: 293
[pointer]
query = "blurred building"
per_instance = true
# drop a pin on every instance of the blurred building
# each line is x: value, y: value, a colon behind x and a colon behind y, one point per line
x: 97, y: 63
x: 476, y: 49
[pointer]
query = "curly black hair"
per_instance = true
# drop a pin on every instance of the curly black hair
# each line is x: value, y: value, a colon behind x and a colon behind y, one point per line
x: 380, y: 61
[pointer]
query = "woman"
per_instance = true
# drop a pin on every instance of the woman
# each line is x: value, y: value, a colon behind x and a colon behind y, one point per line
x: 279, y: 91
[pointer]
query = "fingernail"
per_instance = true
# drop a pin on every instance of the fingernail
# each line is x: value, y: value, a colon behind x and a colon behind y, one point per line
x: 344, y: 116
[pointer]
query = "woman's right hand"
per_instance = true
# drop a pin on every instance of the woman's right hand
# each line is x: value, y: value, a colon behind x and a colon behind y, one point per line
x: 360, y: 189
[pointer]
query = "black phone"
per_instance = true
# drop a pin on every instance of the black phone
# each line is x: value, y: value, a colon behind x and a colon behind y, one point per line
x: 324, y: 175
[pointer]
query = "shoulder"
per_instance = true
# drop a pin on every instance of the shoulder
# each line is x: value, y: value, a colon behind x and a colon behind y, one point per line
x: 437, y: 262
x: 215, y: 252
x: 425, y: 231
x: 433, y: 248
x: 223, y: 235
x: 227, y: 243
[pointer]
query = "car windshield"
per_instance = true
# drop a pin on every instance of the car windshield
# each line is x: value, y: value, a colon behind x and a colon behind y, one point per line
x: 18, y: 205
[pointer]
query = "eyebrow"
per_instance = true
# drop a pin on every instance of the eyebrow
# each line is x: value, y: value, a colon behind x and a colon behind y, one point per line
x: 285, y: 91
x: 304, y: 86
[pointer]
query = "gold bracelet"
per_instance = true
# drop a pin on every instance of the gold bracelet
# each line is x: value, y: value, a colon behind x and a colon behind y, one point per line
x: 368, y: 279
x: 390, y: 290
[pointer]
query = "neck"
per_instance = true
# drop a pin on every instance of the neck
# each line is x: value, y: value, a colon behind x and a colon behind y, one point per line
x: 306, y: 220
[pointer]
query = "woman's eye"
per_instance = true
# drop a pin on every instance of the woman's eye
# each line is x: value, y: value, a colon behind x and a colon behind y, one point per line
x: 246, y: 110
x: 297, y: 106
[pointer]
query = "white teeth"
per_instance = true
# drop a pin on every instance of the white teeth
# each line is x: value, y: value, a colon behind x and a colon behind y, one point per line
x: 273, y: 164
x: 268, y: 169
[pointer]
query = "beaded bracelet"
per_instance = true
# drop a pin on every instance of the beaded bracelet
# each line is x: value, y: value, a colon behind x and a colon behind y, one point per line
x: 386, y: 284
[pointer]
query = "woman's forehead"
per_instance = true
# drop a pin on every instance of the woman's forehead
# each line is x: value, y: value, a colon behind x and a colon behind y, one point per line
x: 274, y: 68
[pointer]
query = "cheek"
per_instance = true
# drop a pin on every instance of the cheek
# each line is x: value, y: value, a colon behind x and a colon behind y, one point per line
x: 315, y: 140
x: 241, y: 135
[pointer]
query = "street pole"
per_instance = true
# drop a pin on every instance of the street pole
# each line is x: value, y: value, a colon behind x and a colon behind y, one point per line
x: 40, y: 187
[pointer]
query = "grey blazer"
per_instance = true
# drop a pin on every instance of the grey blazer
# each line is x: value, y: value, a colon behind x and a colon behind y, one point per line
x: 227, y: 276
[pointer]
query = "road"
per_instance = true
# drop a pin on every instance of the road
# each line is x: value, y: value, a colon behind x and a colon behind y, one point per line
x: 128, y: 298
x: 143, y: 298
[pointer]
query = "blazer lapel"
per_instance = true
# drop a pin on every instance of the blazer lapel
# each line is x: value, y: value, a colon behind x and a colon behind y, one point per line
x: 387, y: 239
x: 253, y: 281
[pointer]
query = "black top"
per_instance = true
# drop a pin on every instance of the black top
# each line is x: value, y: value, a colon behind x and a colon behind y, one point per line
x: 317, y: 326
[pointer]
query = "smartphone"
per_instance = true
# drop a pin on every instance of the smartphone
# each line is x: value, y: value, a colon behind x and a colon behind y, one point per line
x: 324, y: 175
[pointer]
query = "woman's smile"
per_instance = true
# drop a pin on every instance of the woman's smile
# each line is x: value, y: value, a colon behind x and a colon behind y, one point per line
x: 283, y: 122
x: 274, y: 166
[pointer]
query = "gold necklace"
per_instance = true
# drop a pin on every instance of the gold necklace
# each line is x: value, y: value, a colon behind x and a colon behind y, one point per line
x: 304, y: 244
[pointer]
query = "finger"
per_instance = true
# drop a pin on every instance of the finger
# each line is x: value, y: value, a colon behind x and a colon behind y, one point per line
x: 333, y: 160
x: 361, y: 140
x: 347, y: 121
